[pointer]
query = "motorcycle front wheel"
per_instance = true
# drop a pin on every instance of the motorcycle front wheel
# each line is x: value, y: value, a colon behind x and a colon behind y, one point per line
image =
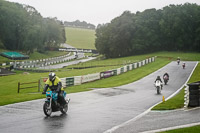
x: 46, y: 109
x: 64, y: 109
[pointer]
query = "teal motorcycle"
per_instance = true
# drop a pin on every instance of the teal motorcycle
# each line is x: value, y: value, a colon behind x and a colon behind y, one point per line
x: 51, y: 103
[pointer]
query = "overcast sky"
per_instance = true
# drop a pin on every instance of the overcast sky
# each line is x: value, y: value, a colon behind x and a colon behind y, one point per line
x: 95, y: 11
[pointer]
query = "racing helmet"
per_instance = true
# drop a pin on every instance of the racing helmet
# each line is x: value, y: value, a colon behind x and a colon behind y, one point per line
x: 52, y: 76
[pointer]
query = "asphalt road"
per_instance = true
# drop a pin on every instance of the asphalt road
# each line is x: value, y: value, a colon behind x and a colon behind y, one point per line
x: 97, y: 111
x: 61, y: 65
x: 157, y: 121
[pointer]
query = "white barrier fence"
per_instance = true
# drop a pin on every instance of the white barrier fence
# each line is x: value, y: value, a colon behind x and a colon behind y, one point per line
x: 186, y: 97
x: 78, y: 80
x: 90, y: 77
x: 41, y: 62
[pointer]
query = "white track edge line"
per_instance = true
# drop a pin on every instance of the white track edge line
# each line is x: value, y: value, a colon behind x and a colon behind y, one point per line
x: 172, y: 128
x: 148, y: 110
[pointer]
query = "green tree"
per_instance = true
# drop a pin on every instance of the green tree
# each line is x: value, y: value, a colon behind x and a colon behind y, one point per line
x: 23, y: 28
x: 173, y: 28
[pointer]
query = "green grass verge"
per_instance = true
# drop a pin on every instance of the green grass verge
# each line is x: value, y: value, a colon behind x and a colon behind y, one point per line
x: 196, y: 74
x: 178, y: 100
x: 48, y: 54
x: 183, y: 56
x: 173, y: 103
x: 80, y: 38
x: 194, y: 129
x: 8, y: 90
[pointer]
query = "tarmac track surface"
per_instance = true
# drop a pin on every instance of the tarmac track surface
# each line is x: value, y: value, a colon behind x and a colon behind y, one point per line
x: 157, y: 121
x: 61, y: 65
x: 95, y: 111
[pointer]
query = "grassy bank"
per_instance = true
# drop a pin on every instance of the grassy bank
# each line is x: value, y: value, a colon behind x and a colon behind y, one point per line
x: 48, y: 54
x: 80, y: 38
x: 8, y: 90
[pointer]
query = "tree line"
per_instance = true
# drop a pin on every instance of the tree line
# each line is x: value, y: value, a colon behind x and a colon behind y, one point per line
x: 22, y: 28
x: 79, y: 24
x: 172, y: 28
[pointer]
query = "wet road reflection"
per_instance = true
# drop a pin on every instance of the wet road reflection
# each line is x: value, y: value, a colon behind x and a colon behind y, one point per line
x: 54, y: 123
x: 93, y: 111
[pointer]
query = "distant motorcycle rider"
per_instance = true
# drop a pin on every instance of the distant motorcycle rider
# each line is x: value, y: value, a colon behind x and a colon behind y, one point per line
x: 54, y: 83
x: 166, y: 74
x: 159, y: 79
x: 183, y: 65
x: 178, y: 60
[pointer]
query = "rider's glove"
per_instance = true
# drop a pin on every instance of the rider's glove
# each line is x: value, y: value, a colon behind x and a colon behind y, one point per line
x: 43, y: 92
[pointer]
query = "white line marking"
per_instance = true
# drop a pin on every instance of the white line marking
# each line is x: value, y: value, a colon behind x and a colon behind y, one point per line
x: 148, y: 110
x: 183, y: 84
x: 172, y: 128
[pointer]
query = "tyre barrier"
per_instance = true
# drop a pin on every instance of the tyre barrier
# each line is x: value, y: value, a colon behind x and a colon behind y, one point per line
x: 192, y: 95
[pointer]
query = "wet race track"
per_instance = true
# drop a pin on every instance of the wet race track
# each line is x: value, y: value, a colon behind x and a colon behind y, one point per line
x: 95, y: 111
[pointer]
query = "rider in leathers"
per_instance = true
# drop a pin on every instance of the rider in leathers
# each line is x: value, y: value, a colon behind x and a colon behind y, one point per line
x: 158, y: 78
x: 166, y: 74
x: 54, y: 83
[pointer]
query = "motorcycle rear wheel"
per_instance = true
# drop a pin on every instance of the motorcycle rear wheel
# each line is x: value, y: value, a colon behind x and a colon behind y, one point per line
x: 158, y: 90
x: 47, y: 111
x: 165, y: 82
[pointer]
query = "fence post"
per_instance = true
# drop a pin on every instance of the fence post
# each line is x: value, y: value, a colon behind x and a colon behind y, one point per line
x: 39, y: 85
x: 18, y: 86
